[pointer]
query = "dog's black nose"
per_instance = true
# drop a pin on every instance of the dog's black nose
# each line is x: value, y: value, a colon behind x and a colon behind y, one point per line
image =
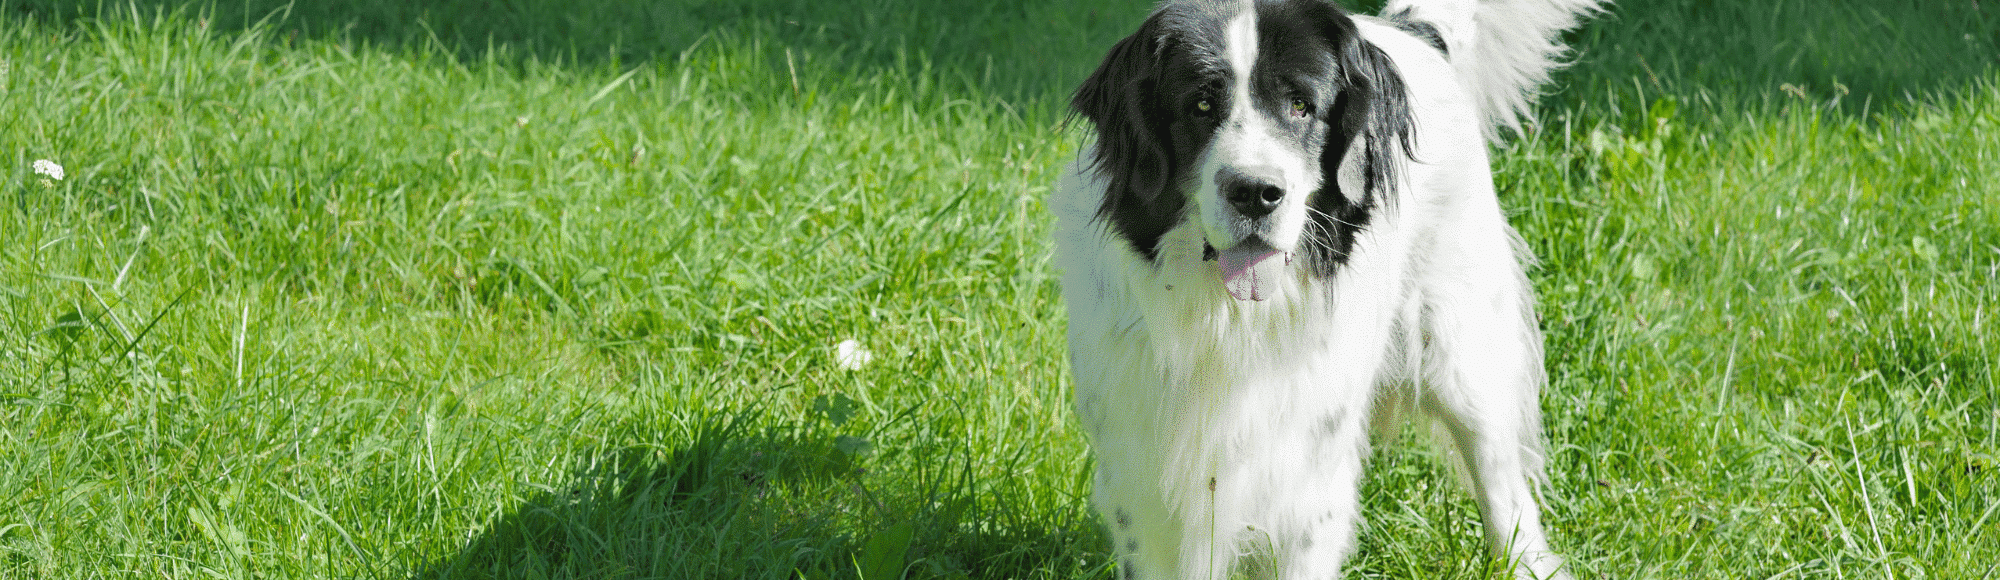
x: 1251, y: 195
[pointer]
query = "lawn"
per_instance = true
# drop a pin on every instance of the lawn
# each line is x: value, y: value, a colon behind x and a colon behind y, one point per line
x: 532, y: 289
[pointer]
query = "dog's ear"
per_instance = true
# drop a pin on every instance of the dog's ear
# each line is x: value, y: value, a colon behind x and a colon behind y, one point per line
x: 1370, y: 118
x: 1124, y: 103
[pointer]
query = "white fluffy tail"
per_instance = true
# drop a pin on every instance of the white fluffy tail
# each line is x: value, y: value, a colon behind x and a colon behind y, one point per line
x: 1503, y: 50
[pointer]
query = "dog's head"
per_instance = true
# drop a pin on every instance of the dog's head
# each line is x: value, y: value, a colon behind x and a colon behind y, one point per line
x: 1268, y: 125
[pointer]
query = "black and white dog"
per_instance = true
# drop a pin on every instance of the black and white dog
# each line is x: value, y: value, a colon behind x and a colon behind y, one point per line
x: 1285, y: 231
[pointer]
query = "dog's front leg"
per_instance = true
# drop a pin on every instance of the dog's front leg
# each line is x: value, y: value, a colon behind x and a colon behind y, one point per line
x: 1145, y: 535
x: 1328, y: 507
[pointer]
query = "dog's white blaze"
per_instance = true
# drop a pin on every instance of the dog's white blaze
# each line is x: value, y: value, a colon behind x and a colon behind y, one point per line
x: 1246, y: 142
x: 1238, y: 123
x: 1242, y: 51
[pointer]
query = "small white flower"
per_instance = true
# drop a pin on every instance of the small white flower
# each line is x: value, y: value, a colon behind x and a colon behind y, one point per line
x: 49, y: 168
x: 851, y: 356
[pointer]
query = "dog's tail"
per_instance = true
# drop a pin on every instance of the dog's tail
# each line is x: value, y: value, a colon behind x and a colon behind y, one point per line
x: 1503, y: 50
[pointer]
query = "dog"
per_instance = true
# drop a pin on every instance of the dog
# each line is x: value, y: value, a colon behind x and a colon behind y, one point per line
x: 1283, y: 237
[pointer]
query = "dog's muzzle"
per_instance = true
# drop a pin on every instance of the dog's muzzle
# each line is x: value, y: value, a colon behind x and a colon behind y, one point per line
x: 1247, y: 268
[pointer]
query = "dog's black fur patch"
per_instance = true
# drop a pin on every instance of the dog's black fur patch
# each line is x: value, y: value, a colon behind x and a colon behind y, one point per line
x: 1406, y: 20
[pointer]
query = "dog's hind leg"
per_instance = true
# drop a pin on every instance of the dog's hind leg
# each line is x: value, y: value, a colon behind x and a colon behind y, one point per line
x: 1483, y: 374
x: 1501, y: 471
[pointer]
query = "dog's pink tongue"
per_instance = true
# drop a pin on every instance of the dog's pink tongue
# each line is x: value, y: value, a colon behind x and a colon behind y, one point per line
x: 1242, y: 277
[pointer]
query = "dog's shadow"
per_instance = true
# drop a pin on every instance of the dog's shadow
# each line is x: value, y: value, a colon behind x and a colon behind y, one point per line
x: 741, y: 499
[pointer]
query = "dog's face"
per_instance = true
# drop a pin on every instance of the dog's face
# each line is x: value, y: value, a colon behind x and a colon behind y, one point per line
x: 1267, y: 126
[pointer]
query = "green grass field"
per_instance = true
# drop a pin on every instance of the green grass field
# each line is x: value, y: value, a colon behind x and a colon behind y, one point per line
x: 532, y: 289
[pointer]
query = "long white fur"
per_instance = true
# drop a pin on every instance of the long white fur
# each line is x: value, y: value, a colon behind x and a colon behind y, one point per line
x: 1503, y: 50
x: 1226, y: 428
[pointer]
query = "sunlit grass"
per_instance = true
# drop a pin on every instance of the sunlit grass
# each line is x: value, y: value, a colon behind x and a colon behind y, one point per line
x: 393, y: 303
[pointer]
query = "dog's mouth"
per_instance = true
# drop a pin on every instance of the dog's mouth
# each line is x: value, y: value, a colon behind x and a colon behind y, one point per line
x: 1249, y: 270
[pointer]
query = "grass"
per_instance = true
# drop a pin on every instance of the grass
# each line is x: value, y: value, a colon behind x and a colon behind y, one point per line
x: 535, y: 290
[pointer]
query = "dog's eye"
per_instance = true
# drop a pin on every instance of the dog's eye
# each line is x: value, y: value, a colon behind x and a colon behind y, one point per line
x: 1203, y: 107
x: 1299, y: 107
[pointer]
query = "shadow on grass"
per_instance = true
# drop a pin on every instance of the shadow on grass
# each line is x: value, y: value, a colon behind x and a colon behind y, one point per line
x: 1012, y: 49
x: 742, y: 501
x: 1729, y: 57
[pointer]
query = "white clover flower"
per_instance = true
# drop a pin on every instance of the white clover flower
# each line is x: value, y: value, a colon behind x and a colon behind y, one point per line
x: 49, y: 168
x: 850, y: 356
